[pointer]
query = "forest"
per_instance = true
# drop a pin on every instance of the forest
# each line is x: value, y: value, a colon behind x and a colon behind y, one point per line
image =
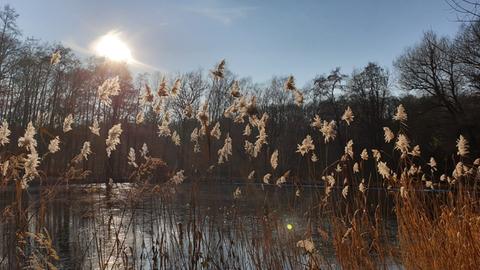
x: 437, y: 80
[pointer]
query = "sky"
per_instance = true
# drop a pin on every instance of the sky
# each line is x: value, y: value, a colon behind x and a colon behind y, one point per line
x: 258, y: 38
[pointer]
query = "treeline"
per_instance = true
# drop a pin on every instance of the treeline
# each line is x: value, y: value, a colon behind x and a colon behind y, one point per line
x: 437, y: 80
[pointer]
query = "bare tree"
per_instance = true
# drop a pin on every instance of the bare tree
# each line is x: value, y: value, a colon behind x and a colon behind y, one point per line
x: 9, y: 47
x: 330, y: 87
x: 467, y: 10
x: 467, y: 52
x: 430, y: 68
x: 368, y: 91
x: 219, y: 95
x: 193, y: 88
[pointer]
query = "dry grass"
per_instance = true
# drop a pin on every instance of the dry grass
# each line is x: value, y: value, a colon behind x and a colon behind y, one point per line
x: 437, y: 219
x: 439, y: 233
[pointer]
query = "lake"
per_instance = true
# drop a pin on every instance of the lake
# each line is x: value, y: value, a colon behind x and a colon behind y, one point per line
x: 188, y: 226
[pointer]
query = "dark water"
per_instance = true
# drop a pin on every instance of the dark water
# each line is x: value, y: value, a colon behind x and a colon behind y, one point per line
x: 93, y: 227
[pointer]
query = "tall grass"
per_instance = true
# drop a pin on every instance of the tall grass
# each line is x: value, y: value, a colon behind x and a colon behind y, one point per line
x: 402, y: 213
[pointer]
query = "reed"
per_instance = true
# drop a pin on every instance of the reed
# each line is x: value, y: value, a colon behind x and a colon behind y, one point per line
x: 348, y: 211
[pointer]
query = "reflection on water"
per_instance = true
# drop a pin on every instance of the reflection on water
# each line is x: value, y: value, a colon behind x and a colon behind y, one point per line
x: 97, y: 228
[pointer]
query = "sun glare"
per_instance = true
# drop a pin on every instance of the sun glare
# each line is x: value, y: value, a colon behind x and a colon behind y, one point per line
x: 113, y: 48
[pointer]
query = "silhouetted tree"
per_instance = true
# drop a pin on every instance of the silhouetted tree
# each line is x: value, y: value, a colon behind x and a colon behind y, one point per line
x: 368, y: 91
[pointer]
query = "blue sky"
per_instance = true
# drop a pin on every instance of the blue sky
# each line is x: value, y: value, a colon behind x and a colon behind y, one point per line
x: 258, y: 39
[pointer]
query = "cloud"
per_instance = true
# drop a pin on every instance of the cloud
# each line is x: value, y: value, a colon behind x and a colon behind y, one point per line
x: 223, y: 15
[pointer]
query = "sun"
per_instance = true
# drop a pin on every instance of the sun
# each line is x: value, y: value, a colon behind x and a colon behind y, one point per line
x: 112, y: 47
